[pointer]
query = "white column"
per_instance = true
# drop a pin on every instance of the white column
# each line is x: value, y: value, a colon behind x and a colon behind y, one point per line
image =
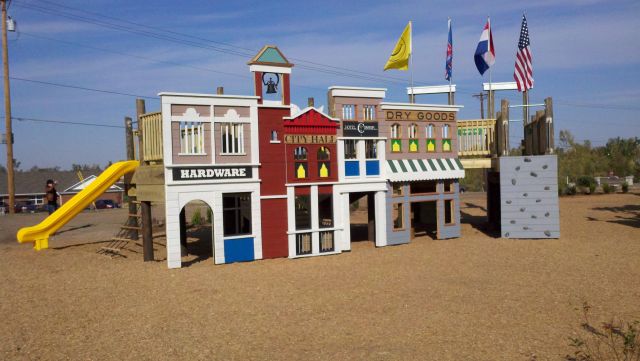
x: 315, y: 224
x: 346, y: 223
x: 256, y: 223
x: 382, y: 157
x: 381, y: 218
x: 291, y: 220
x: 172, y: 227
x: 338, y: 221
x: 218, y: 229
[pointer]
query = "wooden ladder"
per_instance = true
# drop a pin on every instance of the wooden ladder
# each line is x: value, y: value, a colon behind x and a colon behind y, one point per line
x: 129, y: 232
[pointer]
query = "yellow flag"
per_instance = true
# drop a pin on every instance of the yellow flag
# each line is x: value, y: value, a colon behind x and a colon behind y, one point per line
x: 399, y: 58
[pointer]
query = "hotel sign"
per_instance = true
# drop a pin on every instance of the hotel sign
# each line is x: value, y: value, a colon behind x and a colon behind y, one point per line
x: 210, y: 173
x: 360, y: 129
x: 309, y: 139
x: 417, y: 115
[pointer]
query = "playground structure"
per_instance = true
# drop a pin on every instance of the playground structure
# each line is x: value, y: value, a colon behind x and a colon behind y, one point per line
x: 280, y: 181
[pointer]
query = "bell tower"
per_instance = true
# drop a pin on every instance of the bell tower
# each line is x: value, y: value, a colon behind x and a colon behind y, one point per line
x: 271, y: 74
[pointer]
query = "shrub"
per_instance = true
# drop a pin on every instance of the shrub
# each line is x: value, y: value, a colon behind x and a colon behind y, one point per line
x: 587, y: 182
x: 196, y: 218
x: 606, y: 188
x: 209, y: 215
x: 613, y: 340
x: 625, y: 187
x: 571, y: 190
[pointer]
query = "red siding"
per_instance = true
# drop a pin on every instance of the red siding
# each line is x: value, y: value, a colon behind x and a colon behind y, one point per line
x: 274, y: 228
x: 272, y: 155
x: 286, y: 91
x: 312, y: 163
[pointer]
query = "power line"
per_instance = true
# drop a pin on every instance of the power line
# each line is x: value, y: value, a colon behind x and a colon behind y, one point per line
x: 324, y: 68
x: 67, y: 122
x: 82, y: 88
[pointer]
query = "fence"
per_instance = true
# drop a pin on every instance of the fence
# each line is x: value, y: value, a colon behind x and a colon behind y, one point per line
x: 151, y: 125
x: 476, y: 137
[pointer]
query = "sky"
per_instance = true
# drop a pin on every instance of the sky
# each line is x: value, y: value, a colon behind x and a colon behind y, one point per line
x: 586, y: 56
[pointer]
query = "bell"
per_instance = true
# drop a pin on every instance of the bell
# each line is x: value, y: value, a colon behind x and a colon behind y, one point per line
x: 272, y: 87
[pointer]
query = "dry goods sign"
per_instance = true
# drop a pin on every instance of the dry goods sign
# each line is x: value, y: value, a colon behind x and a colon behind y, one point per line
x: 210, y: 173
x: 416, y: 115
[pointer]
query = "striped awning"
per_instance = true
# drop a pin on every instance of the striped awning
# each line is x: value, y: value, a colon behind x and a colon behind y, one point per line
x: 403, y: 170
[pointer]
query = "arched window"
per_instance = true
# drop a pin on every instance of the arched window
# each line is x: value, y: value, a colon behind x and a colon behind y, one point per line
x: 429, y: 131
x: 446, y: 138
x: 395, y: 131
x: 396, y: 142
x: 445, y: 131
x: 412, y: 131
x: 324, y: 164
x: 324, y: 154
x: 300, y: 158
x: 431, y: 142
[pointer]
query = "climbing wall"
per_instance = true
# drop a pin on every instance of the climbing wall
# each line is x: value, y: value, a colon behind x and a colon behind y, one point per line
x: 529, y: 197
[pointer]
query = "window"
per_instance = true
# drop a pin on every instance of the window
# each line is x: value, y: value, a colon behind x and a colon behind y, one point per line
x: 396, y: 143
x: 429, y: 131
x: 350, y: 149
x: 422, y: 187
x: 348, y: 112
x: 446, y: 141
x: 369, y: 112
x: 300, y: 158
x: 232, y: 138
x: 303, y: 212
x: 398, y: 216
x: 236, y: 214
x: 325, y: 210
x: 445, y: 131
x: 274, y: 136
x: 412, y: 131
x: 397, y: 189
x: 324, y: 164
x: 431, y: 142
x: 448, y: 212
x: 191, y: 138
x: 395, y: 131
x: 371, y: 148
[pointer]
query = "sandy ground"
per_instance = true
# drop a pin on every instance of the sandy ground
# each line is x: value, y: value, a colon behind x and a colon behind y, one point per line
x: 472, y: 298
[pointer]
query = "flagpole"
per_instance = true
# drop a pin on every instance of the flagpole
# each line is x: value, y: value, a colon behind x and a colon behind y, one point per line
x: 413, y: 96
x: 449, y: 29
x: 490, y: 99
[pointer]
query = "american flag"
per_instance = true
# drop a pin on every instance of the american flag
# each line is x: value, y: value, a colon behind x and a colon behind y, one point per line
x: 524, y: 70
x: 449, y: 62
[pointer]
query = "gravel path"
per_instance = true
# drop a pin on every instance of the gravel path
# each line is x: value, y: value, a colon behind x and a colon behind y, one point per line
x: 472, y: 298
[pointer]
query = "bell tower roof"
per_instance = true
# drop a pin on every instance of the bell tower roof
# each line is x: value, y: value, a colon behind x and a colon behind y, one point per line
x: 272, y: 56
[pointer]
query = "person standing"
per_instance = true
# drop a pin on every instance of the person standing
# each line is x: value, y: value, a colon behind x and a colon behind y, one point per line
x: 52, y: 196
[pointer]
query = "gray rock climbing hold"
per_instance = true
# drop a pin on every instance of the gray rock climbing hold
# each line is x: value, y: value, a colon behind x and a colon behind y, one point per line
x: 508, y: 202
x: 547, y: 233
x: 513, y: 181
x: 522, y: 209
x: 525, y: 194
x: 512, y: 221
x: 546, y: 214
x: 506, y: 234
x: 517, y: 168
x: 527, y: 160
x: 547, y: 188
x: 545, y: 166
x: 525, y: 228
x: 534, y: 216
x: 538, y: 200
x: 534, y: 174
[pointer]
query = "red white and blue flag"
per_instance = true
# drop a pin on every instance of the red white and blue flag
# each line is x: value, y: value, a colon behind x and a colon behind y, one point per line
x: 485, y: 55
x: 524, y: 68
x: 449, y: 63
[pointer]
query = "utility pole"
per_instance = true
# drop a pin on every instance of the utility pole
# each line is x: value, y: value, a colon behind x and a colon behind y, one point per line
x: 481, y: 97
x: 7, y: 111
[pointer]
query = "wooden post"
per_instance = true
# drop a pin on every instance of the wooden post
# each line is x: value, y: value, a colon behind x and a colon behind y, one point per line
x: 504, y: 111
x: 451, y: 98
x: 310, y: 102
x: 548, y: 110
x: 220, y: 90
x: 128, y: 129
x: 525, y: 108
x: 145, y: 206
x: 11, y: 189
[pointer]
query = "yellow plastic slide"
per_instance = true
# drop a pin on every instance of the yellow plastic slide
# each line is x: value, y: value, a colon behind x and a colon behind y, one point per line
x: 39, y: 234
